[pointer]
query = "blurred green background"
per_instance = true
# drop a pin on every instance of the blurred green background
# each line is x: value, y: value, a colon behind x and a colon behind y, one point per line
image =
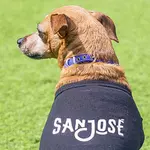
x: 27, y: 86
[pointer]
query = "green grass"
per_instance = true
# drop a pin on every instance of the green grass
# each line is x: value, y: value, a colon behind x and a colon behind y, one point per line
x: 27, y: 86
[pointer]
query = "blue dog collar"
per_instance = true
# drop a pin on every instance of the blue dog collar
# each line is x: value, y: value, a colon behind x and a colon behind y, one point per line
x: 83, y: 58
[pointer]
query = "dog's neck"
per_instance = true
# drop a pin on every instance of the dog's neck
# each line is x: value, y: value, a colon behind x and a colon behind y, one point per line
x: 97, y: 44
x: 92, y: 71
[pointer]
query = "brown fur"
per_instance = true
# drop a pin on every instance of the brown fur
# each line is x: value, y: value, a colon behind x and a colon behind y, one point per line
x: 72, y: 30
x: 96, y: 71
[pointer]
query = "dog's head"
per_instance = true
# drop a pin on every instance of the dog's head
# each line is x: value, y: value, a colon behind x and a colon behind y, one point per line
x: 69, y: 29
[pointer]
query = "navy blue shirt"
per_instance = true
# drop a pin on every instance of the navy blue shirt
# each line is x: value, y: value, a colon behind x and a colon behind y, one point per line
x: 93, y: 115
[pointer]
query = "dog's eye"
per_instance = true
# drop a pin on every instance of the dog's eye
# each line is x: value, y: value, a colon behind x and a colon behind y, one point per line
x: 42, y: 35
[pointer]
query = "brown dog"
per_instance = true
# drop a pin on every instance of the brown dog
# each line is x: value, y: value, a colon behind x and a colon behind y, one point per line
x: 72, y: 31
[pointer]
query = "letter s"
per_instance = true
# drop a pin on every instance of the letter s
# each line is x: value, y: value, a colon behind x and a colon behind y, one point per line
x: 57, y: 126
x: 112, y: 124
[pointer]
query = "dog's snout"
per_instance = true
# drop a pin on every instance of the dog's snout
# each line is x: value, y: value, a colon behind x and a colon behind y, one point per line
x: 20, y: 41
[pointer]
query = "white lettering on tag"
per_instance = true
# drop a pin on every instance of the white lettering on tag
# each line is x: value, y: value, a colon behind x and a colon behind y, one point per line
x: 57, y: 126
x: 92, y: 132
x: 112, y: 124
x: 120, y: 126
x: 67, y: 125
x: 100, y: 127
x: 79, y: 123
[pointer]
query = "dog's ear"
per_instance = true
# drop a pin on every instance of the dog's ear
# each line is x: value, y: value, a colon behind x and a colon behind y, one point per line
x: 59, y: 24
x: 107, y: 23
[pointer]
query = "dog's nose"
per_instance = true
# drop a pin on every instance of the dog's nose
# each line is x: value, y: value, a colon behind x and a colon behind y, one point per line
x: 20, y: 41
